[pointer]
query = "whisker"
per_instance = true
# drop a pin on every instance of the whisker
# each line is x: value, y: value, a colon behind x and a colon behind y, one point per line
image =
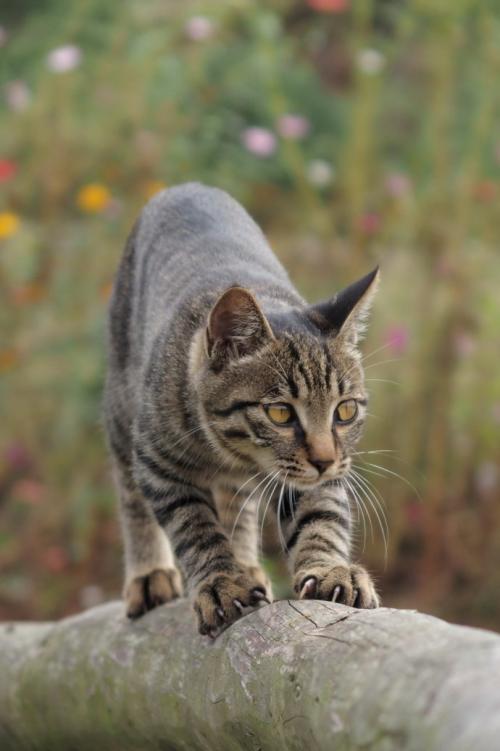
x: 375, y: 505
x: 390, y: 472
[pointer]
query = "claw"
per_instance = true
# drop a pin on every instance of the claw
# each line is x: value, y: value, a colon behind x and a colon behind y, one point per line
x: 336, y: 592
x: 309, y: 587
x: 220, y: 613
x: 260, y: 595
x: 238, y: 605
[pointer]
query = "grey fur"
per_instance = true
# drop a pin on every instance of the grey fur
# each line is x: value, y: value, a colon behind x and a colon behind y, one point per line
x: 205, y: 327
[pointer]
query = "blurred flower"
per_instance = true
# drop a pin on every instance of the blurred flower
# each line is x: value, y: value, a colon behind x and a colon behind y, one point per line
x: 464, y: 344
x: 369, y: 223
x: 259, y: 141
x: 29, y: 491
x: 293, y: 126
x: 152, y: 187
x: 113, y: 208
x: 370, y: 61
x: 199, y: 28
x: 3, y: 36
x: 93, y: 198
x: 28, y: 293
x: 9, y: 224
x: 8, y: 169
x: 8, y: 359
x: 329, y: 6
x: 17, y: 96
x: 17, y: 456
x: 55, y: 559
x: 495, y: 412
x: 485, y: 191
x: 397, y: 184
x: 486, y: 477
x: 397, y: 338
x: 64, y: 59
x: 320, y: 173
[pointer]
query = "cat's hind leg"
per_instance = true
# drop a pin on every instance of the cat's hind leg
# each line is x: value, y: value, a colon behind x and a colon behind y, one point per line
x: 151, y: 578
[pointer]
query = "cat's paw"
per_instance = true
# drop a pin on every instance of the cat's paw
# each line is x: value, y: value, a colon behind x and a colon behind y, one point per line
x: 144, y: 593
x: 223, y: 598
x: 349, y: 584
x: 257, y: 573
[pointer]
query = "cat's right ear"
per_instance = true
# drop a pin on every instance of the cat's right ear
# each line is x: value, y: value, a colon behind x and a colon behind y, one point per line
x: 236, y: 326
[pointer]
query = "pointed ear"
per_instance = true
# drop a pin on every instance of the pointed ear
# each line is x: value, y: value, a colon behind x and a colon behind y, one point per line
x: 236, y: 326
x: 345, y: 314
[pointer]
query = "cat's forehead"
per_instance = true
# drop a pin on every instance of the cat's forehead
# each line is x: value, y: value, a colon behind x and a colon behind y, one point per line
x: 314, y: 366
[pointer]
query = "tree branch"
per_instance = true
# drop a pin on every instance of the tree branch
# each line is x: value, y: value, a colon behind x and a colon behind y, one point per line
x: 293, y: 675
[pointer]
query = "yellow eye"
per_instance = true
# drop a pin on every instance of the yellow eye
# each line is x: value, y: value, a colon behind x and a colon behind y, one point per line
x: 281, y: 414
x: 346, y: 411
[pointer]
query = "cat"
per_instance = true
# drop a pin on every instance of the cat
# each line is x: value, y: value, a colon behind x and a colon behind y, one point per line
x: 225, y: 388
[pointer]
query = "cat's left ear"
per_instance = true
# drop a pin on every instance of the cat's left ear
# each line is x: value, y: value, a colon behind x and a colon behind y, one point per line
x: 236, y: 326
x: 344, y: 316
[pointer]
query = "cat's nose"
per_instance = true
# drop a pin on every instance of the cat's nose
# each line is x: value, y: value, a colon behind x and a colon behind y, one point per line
x: 321, y: 464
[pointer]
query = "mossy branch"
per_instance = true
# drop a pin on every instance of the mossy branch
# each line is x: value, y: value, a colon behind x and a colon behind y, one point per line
x: 294, y: 675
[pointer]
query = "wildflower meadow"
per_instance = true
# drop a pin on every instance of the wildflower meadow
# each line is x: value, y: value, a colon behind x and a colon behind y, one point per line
x: 356, y: 133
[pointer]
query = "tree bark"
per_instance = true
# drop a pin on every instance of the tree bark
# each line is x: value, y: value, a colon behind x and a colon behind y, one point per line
x: 308, y: 676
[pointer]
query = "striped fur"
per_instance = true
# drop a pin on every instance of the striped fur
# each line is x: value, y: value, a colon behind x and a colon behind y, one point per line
x: 205, y: 332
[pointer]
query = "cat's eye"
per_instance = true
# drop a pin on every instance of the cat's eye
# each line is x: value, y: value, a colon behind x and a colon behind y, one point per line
x: 346, y: 411
x: 281, y: 414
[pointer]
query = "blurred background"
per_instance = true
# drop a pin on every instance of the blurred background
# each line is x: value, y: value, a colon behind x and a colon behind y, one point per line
x: 355, y: 132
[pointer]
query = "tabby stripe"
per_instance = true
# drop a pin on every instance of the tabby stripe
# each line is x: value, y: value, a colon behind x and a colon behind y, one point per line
x: 215, y: 539
x: 234, y: 407
x: 316, y: 516
x: 232, y: 433
x: 119, y: 450
x: 294, y: 389
x: 194, y: 526
x: 317, y: 542
x: 155, y: 468
x: 223, y: 563
x: 328, y: 367
x: 298, y: 358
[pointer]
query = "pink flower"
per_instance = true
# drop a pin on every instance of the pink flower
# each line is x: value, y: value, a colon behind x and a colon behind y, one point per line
x: 293, y: 126
x: 17, y: 96
x: 397, y: 184
x: 369, y: 223
x: 259, y: 141
x: 397, y: 338
x: 464, y: 343
x: 64, y: 59
x: 8, y: 169
x: 329, y: 6
x: 17, y: 457
x: 414, y: 513
x: 199, y: 28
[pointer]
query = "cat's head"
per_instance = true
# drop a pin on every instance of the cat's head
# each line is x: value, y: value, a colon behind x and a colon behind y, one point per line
x: 285, y: 393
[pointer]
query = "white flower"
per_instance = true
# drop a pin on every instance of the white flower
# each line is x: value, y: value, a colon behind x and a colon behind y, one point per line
x: 64, y: 59
x: 370, y: 61
x: 320, y: 173
x: 199, y: 28
x: 17, y: 96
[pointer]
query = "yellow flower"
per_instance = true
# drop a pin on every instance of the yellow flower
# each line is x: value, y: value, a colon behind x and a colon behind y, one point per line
x: 93, y: 198
x: 153, y: 186
x: 9, y: 223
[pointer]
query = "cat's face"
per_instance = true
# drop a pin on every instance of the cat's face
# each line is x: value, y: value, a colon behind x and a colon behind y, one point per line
x: 286, y: 397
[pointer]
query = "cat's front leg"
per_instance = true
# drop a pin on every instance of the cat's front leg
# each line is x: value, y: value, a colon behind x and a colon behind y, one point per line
x: 318, y: 545
x: 221, y: 588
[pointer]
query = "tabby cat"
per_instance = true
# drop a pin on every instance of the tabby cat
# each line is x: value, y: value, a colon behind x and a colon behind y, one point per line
x: 226, y: 389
